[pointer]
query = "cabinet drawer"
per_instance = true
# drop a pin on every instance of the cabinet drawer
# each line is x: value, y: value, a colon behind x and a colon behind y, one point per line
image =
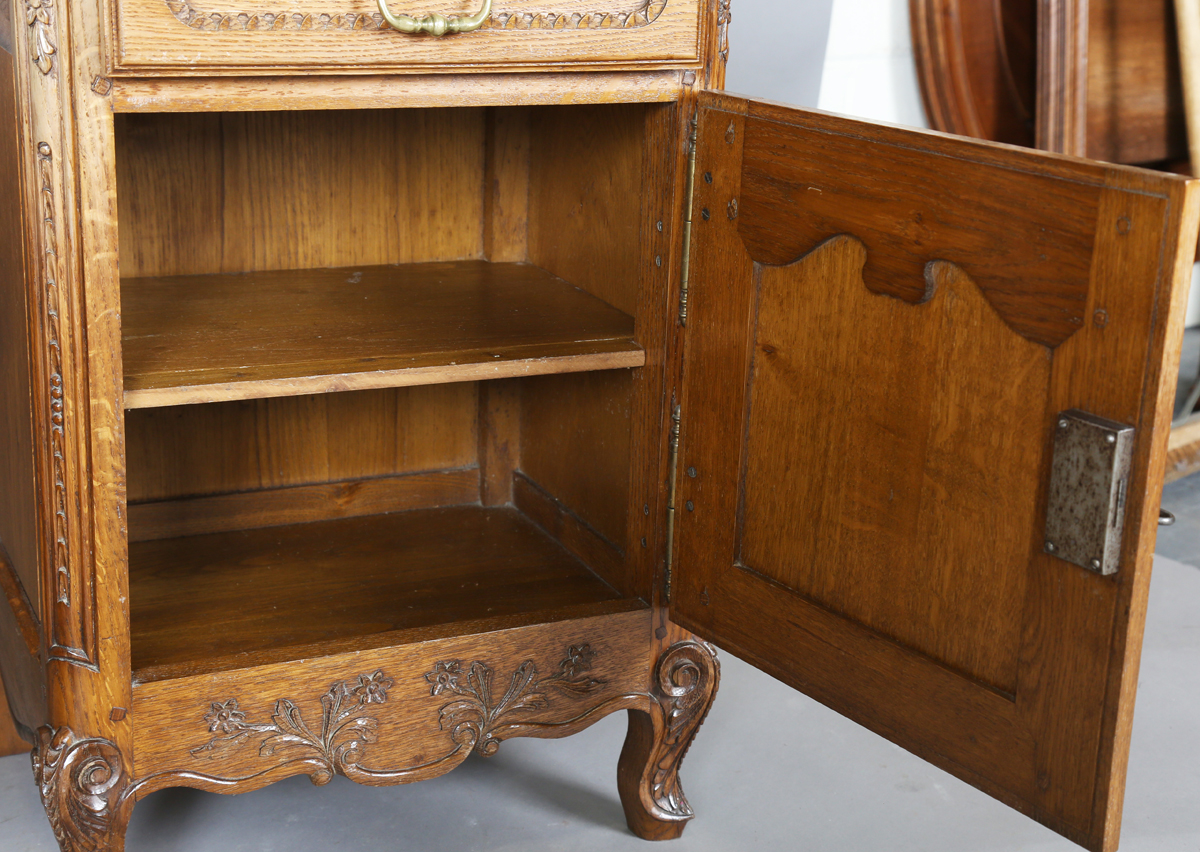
x: 204, y: 36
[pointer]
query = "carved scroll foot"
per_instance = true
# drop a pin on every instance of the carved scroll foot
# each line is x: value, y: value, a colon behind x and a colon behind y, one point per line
x: 686, y: 678
x: 82, y: 781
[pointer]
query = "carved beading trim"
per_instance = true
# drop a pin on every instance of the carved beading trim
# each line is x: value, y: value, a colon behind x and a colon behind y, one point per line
x: 39, y: 17
x: 52, y: 324
x: 478, y: 719
x: 643, y: 14
x: 82, y: 783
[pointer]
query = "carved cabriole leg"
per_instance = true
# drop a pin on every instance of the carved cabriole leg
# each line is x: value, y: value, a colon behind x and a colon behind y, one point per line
x: 83, y: 783
x: 686, y: 680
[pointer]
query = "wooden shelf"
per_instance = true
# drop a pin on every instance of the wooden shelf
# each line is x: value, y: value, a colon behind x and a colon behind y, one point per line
x: 208, y: 338
x: 229, y: 600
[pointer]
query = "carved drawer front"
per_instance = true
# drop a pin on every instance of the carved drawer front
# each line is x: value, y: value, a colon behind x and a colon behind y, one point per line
x: 201, y: 36
x: 389, y: 715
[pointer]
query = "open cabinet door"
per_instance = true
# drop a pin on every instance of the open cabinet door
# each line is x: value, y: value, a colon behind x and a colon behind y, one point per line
x: 884, y: 327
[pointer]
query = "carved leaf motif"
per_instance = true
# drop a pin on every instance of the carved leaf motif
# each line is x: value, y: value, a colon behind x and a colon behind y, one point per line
x: 643, y: 13
x: 476, y: 710
x: 38, y: 19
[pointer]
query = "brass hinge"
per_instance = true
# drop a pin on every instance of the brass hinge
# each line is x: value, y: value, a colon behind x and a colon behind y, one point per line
x: 673, y: 439
x: 687, y: 222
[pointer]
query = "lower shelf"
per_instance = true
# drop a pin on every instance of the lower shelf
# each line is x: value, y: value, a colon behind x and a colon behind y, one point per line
x: 227, y: 600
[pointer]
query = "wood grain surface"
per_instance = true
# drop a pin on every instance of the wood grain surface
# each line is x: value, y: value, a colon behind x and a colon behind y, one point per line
x: 1027, y: 243
x: 195, y: 450
x: 200, y: 36
x: 299, y: 504
x: 425, y: 91
x: 846, y: 442
x: 248, y: 192
x: 603, y: 659
x: 204, y: 339
x: 205, y: 597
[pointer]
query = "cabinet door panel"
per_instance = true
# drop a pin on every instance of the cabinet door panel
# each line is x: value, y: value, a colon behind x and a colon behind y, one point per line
x: 882, y: 328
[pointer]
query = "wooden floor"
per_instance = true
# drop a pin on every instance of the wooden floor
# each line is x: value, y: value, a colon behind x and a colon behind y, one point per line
x: 206, y: 338
x: 224, y: 600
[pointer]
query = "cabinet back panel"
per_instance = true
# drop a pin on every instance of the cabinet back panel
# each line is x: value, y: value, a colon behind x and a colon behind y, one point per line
x: 236, y: 192
x: 18, y: 497
x: 228, y: 447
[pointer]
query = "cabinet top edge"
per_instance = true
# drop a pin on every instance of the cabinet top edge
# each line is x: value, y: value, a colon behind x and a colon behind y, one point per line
x: 243, y: 94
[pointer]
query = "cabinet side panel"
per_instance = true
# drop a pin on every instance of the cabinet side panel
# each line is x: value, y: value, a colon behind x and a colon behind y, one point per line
x: 585, y: 196
x: 22, y: 696
x: 18, y: 496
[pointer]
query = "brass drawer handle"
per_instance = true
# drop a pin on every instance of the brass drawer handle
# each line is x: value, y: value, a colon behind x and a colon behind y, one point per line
x: 436, y: 24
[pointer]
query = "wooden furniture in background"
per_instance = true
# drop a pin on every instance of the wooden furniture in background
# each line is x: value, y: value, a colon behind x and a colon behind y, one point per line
x: 373, y: 399
x: 1104, y: 82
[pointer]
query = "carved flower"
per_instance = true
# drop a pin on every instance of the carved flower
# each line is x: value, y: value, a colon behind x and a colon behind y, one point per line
x: 372, y: 689
x: 579, y: 659
x: 444, y: 676
x: 226, y: 718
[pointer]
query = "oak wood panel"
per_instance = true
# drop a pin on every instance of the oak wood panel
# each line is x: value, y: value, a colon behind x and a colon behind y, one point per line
x: 245, y: 192
x: 611, y: 661
x: 506, y: 185
x: 584, y: 222
x: 585, y: 225
x: 185, y: 37
x: 20, y: 543
x: 228, y: 447
x: 227, y: 594
x: 499, y: 440
x: 18, y: 497
x: 568, y: 529
x: 1055, y: 746
x: 1183, y: 451
x: 251, y: 94
x: 212, y: 338
x: 888, y: 519
x: 1134, y: 96
x: 575, y: 444
x: 300, y: 504
x: 1034, y: 271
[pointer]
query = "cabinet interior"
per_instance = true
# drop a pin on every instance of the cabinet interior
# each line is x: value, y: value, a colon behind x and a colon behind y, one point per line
x: 461, y: 287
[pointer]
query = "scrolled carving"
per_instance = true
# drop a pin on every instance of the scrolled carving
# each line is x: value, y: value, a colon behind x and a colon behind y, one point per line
x: 687, y: 677
x: 478, y: 719
x: 643, y: 13
x: 478, y: 714
x: 39, y: 17
x: 82, y: 782
x: 685, y: 682
x: 344, y: 732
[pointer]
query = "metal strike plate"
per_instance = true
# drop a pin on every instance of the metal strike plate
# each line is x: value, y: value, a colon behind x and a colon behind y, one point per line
x: 1089, y: 479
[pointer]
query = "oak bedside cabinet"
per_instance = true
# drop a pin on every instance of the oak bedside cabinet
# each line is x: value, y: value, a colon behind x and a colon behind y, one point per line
x: 380, y: 384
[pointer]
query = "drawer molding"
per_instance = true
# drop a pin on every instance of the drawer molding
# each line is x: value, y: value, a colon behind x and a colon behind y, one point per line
x: 197, y: 17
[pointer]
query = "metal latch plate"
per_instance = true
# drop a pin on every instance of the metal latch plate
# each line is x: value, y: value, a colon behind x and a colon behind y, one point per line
x: 1089, y: 478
